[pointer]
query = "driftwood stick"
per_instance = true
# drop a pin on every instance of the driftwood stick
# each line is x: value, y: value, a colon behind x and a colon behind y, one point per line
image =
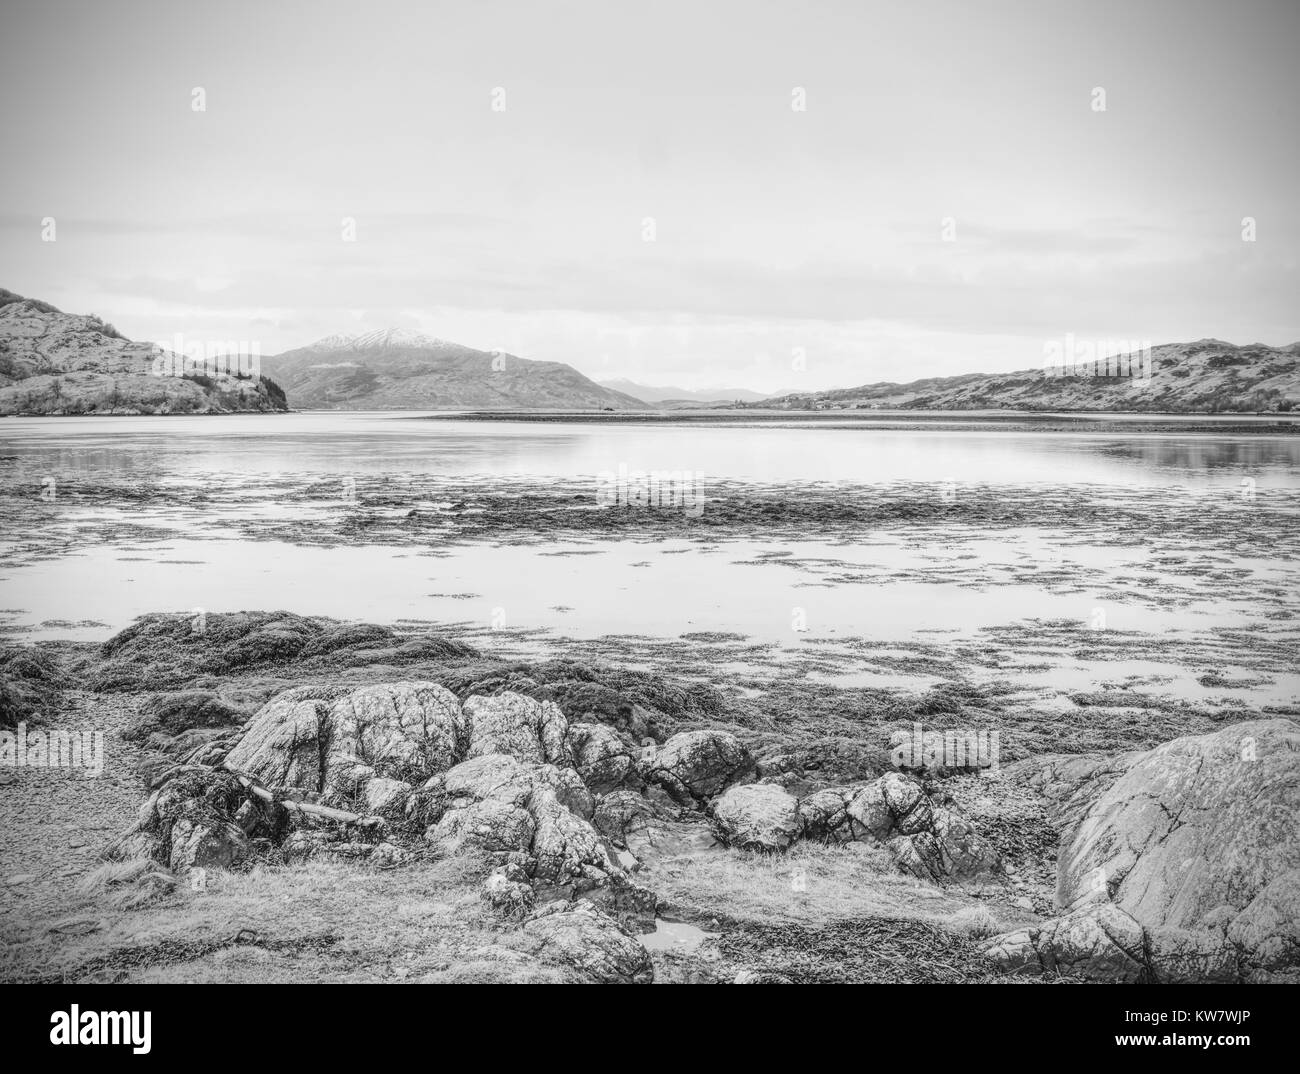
x: 309, y: 808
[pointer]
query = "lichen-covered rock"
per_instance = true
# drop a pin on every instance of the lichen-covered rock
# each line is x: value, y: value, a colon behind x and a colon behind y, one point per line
x: 891, y: 805
x: 518, y: 726
x: 950, y: 849
x: 566, y: 845
x: 333, y: 741
x: 386, y: 797
x: 189, y: 822
x: 195, y: 844
x: 758, y: 816
x: 1100, y: 942
x: 1196, y: 842
x: 928, y: 841
x: 589, y: 941
x: 695, y: 766
x: 498, y: 803
x: 603, y: 758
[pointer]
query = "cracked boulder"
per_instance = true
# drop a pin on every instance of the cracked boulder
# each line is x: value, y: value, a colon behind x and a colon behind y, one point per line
x: 522, y: 727
x: 695, y: 766
x: 758, y: 816
x: 332, y: 741
x: 604, y: 759
x: 1101, y: 942
x: 925, y: 840
x: 590, y: 942
x: 198, y: 818
x: 949, y: 848
x: 1196, y: 842
x: 498, y: 803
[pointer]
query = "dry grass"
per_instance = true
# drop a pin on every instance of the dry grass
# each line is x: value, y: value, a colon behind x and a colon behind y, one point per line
x: 313, y: 922
x: 842, y: 883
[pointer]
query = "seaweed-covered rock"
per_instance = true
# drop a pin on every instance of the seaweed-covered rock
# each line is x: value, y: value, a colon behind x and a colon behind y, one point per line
x: 30, y: 684
x: 172, y: 651
x: 594, y: 703
x: 694, y: 766
x: 589, y: 941
x: 167, y: 652
x: 349, y: 636
x: 758, y: 816
x: 174, y: 713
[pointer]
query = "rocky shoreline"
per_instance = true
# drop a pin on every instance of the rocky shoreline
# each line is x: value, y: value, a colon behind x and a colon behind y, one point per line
x: 576, y: 821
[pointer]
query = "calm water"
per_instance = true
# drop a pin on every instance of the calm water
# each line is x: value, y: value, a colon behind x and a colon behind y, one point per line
x: 203, y: 448
x: 887, y: 587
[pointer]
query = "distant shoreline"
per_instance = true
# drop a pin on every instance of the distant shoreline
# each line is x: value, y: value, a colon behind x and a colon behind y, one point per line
x: 1010, y: 421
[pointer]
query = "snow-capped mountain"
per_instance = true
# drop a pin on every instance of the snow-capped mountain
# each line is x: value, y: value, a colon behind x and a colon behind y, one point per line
x: 397, y: 369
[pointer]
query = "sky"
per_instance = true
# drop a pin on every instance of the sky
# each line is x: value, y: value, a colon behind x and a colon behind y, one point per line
x: 776, y: 196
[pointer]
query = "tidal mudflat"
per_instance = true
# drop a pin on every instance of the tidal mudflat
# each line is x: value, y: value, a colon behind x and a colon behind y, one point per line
x: 841, y: 584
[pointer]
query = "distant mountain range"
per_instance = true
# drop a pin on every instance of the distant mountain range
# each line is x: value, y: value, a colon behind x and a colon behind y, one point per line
x: 394, y: 369
x: 56, y: 363
x: 660, y: 396
x: 1205, y: 377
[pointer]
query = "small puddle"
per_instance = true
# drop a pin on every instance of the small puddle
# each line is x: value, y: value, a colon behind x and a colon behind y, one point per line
x: 676, y: 936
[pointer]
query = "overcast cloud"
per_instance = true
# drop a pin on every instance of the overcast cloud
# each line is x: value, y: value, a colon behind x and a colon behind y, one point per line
x: 777, y: 232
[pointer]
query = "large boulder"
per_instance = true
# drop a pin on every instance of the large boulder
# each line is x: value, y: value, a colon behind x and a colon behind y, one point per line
x: 695, y: 766
x: 580, y: 936
x: 498, y: 803
x: 189, y: 822
x: 1103, y: 943
x: 334, y: 740
x: 604, y: 759
x: 758, y: 816
x: 1196, y: 842
x: 928, y: 841
x: 524, y: 728
x: 890, y: 805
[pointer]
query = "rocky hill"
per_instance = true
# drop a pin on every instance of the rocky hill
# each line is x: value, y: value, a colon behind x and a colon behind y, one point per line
x: 1205, y: 377
x: 393, y: 369
x: 56, y: 363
